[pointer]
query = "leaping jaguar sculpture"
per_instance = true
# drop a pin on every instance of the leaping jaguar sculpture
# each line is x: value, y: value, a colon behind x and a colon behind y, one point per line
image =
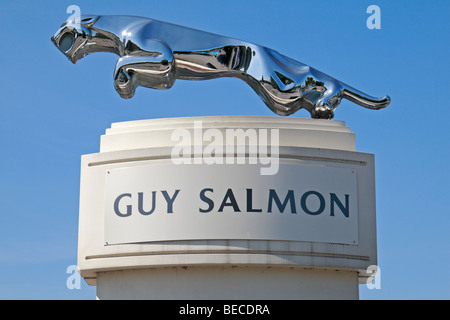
x: 154, y: 54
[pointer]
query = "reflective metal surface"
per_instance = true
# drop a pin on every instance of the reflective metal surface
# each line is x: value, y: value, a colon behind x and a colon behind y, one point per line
x: 154, y: 54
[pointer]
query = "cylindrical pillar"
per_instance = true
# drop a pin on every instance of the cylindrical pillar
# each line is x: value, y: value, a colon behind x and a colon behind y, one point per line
x: 227, y: 208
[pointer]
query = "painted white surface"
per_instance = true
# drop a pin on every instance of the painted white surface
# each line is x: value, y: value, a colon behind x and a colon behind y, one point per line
x: 295, y: 132
x: 227, y: 283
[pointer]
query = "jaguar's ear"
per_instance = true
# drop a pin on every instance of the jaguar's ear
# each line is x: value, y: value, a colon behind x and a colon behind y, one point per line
x: 88, y: 20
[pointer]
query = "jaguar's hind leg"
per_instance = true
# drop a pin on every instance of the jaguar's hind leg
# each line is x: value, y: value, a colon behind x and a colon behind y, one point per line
x: 322, y: 110
x: 328, y: 101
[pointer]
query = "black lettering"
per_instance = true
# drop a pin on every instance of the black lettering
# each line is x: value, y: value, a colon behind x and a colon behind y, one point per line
x: 281, y: 206
x: 141, y: 203
x: 207, y: 200
x: 305, y: 208
x: 170, y: 200
x: 345, y: 210
x: 250, y: 202
x: 233, y: 203
x: 116, y: 206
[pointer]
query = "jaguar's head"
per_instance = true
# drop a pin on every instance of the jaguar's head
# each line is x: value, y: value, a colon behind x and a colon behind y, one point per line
x: 73, y: 37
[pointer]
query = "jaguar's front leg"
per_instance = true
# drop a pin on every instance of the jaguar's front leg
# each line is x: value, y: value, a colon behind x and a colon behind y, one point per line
x: 125, y: 80
x: 151, y: 68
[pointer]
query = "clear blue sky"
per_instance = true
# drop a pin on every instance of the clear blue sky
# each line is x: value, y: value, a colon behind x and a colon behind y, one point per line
x: 52, y: 112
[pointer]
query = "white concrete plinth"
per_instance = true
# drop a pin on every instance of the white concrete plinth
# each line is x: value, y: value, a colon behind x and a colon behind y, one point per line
x: 151, y: 228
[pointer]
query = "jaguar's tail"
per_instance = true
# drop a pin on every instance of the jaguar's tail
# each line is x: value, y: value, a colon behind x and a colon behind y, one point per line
x: 365, y: 100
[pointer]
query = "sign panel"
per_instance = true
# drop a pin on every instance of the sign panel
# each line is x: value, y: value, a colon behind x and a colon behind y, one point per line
x: 207, y: 202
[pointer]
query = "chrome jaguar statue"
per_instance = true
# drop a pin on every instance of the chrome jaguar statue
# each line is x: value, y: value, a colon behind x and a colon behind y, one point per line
x: 154, y: 54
